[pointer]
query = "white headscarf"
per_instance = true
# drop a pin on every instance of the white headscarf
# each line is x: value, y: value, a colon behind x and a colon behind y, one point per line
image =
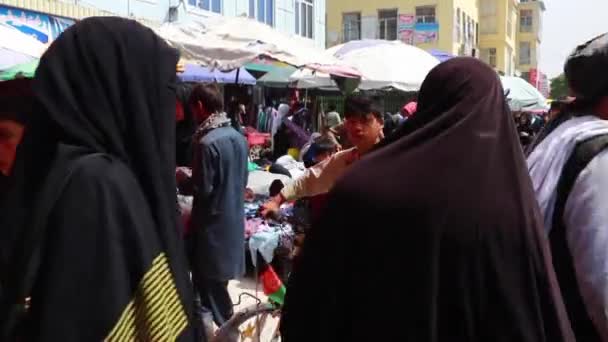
x: 276, y: 122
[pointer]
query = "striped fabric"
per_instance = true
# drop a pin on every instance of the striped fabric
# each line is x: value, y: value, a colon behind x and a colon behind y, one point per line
x: 155, y: 313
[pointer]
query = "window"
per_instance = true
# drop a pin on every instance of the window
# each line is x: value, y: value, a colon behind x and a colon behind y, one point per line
x: 525, y: 53
x: 492, y: 57
x: 489, y: 56
x: 387, y: 24
x: 510, y: 61
x: 351, y: 26
x: 525, y: 21
x: 469, y: 38
x: 509, y: 25
x: 473, y: 35
x: 464, y: 27
x: 425, y: 15
x: 304, y: 18
x: 458, y: 26
x: 262, y: 11
x: 207, y: 5
x: 270, y: 12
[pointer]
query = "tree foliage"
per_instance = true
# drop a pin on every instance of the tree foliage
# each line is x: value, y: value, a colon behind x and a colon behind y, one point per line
x: 559, y: 87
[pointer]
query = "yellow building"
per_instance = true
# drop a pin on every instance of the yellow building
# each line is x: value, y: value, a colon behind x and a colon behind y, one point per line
x: 529, y: 35
x: 498, y: 34
x: 447, y: 25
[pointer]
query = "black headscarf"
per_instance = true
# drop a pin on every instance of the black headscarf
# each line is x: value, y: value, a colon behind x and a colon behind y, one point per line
x: 16, y: 100
x: 434, y: 237
x: 16, y: 103
x: 105, y: 86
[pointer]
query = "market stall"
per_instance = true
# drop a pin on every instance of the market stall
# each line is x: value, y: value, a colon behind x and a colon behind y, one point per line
x: 228, y: 43
x: 273, y: 239
x: 522, y: 95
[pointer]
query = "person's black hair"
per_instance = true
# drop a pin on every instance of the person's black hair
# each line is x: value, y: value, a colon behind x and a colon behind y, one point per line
x: 361, y: 106
x: 16, y: 108
x: 279, y: 169
x: 275, y: 187
x: 556, y: 105
x: 209, y: 95
x: 585, y: 71
x: 324, y: 144
x: 331, y: 107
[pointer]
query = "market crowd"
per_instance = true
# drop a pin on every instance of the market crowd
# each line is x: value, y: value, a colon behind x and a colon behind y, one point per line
x: 430, y: 225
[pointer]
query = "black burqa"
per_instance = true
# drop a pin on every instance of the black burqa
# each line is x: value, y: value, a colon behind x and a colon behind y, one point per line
x: 99, y: 252
x: 435, y: 236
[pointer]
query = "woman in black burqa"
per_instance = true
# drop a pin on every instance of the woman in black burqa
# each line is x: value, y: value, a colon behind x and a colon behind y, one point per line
x: 99, y: 254
x: 435, y: 236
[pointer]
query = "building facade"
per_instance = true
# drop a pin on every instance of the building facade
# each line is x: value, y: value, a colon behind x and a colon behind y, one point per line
x: 529, y: 38
x: 446, y: 25
x: 504, y: 33
x: 498, y: 34
x: 300, y: 17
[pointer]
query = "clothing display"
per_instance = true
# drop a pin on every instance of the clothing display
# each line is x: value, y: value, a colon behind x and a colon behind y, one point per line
x: 295, y: 168
x: 260, y: 235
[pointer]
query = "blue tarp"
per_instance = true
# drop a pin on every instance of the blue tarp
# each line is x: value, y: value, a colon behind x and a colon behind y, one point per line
x: 197, y: 73
x: 442, y: 56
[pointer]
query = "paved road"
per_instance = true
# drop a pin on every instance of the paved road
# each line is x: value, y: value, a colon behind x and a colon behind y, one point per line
x: 248, y: 285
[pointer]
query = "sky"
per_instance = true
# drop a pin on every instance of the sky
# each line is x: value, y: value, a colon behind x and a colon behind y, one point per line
x: 567, y: 23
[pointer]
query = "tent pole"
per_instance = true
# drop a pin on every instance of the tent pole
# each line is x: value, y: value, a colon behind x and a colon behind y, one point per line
x: 238, y: 71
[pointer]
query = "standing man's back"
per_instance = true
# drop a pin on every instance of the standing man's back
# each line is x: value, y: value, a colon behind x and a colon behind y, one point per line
x: 216, y: 239
x: 569, y: 169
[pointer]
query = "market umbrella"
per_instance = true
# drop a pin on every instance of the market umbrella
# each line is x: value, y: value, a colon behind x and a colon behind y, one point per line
x: 383, y: 64
x: 277, y: 77
x: 17, y: 47
x: 227, y: 43
x: 197, y: 73
x: 522, y: 95
x: 26, y: 70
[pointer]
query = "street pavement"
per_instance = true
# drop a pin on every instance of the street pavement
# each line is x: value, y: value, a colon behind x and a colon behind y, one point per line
x: 248, y: 285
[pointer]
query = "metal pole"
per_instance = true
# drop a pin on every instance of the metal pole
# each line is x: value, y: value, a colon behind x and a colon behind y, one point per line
x: 238, y: 72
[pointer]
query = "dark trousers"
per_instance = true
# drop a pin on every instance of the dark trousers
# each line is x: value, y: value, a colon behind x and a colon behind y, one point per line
x: 215, y: 302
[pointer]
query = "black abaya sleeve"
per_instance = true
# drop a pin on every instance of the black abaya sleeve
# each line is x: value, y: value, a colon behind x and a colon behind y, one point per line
x: 312, y: 309
x: 100, y: 243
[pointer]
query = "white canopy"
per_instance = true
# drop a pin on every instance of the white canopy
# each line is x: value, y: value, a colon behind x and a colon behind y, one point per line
x: 522, y: 95
x: 383, y: 64
x: 228, y: 43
